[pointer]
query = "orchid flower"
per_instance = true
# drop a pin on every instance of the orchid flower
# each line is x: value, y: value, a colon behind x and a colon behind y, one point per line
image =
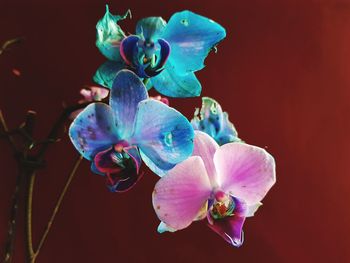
x: 116, y: 137
x: 166, y: 54
x: 165, y: 100
x: 224, y: 184
x: 90, y: 93
x: 212, y: 120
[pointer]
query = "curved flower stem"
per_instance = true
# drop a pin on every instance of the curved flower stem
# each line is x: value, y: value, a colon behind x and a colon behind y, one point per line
x: 29, y: 209
x: 58, y: 205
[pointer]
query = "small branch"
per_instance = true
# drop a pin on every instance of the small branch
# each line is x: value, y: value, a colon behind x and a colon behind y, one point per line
x: 5, y: 130
x: 58, y: 205
x: 9, y: 43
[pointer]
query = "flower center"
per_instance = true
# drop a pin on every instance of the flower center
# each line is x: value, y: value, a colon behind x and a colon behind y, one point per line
x: 223, y: 205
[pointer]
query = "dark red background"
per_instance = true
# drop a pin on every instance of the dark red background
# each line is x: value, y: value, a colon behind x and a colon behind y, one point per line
x: 283, y: 76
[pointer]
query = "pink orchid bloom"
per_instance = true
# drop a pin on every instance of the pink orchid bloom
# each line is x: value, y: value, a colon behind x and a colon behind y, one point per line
x: 224, y: 184
x: 165, y: 100
x: 90, y: 94
x: 93, y: 93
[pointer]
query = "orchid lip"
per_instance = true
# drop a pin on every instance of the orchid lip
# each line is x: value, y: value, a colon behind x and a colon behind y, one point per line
x: 223, y: 205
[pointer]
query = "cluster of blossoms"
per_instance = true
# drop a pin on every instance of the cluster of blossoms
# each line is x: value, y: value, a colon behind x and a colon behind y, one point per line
x: 206, y: 170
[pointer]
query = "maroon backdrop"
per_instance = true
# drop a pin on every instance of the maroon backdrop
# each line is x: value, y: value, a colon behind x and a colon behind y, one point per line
x: 283, y: 74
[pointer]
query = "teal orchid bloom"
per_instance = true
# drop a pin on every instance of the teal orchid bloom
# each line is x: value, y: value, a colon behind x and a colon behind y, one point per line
x: 132, y: 128
x: 212, y: 120
x: 167, y: 54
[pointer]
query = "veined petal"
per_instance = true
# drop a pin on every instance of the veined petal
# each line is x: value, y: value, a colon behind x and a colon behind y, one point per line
x: 230, y: 228
x: 109, y: 35
x: 245, y: 171
x: 150, y: 28
x: 172, y: 84
x: 191, y: 38
x: 181, y: 193
x: 93, y: 130
x: 163, y: 134
x: 205, y: 147
x: 106, y: 73
x: 127, y: 91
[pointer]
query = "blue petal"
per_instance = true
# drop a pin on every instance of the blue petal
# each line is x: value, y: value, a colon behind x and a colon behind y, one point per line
x: 109, y: 34
x: 93, y: 130
x: 127, y: 91
x: 171, y: 84
x: 129, y: 50
x: 163, y: 134
x: 150, y: 28
x: 228, y: 132
x: 213, y: 121
x: 106, y: 73
x: 154, y: 168
x: 191, y: 38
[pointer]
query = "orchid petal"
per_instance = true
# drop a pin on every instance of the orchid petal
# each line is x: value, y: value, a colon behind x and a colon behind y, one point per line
x: 105, y: 163
x: 179, y: 196
x: 110, y: 34
x: 163, y: 134
x: 252, y: 209
x: 121, y: 168
x: 150, y: 28
x: 127, y: 91
x: 230, y: 228
x: 191, y: 38
x: 133, y: 152
x: 106, y: 73
x: 171, y: 84
x: 153, y: 167
x: 123, y: 181
x: 129, y: 50
x: 205, y: 147
x: 93, y: 130
x: 228, y: 132
x: 162, y: 227
x: 245, y: 171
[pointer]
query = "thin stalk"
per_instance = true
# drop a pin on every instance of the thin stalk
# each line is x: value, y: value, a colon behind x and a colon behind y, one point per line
x: 58, y: 205
x: 29, y: 212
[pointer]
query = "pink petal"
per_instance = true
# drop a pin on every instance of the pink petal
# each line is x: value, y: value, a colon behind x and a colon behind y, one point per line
x: 179, y: 195
x: 205, y: 147
x: 245, y: 171
x: 230, y: 229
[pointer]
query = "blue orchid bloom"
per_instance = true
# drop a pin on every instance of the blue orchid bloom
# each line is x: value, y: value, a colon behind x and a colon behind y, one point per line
x: 116, y: 137
x: 212, y: 120
x: 167, y: 54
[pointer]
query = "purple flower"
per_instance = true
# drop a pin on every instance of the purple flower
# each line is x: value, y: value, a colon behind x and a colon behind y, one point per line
x: 224, y: 184
x: 116, y: 137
